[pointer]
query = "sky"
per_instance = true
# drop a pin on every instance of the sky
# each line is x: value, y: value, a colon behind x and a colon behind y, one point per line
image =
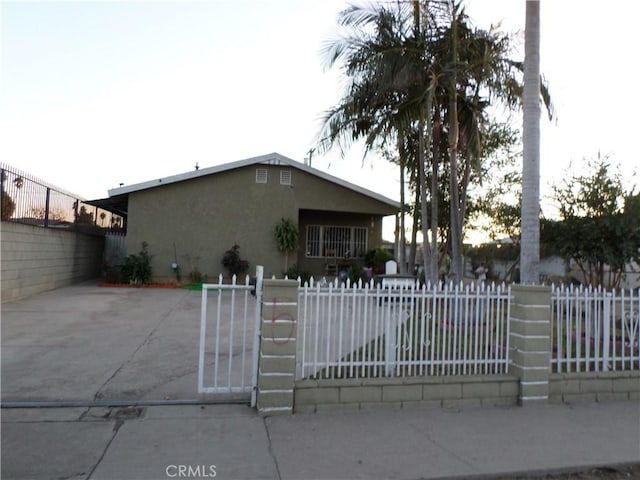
x: 98, y: 94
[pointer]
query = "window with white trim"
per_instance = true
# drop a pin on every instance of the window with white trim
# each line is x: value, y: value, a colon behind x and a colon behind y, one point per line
x: 339, y: 241
x: 261, y: 175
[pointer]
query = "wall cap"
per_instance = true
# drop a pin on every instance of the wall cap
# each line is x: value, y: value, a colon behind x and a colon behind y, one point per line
x: 280, y: 283
x: 531, y: 288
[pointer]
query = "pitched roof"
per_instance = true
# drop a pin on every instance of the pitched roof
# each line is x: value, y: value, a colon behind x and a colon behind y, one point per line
x: 269, y: 159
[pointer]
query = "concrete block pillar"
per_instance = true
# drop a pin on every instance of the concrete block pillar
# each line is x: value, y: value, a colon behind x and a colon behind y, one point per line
x: 277, y: 360
x: 530, y: 341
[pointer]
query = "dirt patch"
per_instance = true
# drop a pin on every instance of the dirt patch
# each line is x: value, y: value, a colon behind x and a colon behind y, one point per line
x: 601, y: 473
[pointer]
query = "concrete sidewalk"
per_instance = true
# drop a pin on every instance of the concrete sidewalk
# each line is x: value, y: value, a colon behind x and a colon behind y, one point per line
x: 233, y: 442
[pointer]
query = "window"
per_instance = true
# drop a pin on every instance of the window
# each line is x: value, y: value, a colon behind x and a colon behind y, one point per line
x: 285, y: 177
x: 344, y: 242
x: 261, y: 175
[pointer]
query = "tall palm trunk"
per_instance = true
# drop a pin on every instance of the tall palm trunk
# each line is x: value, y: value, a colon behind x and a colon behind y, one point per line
x: 424, y: 112
x: 414, y: 230
x: 402, y: 251
x: 455, y: 218
x: 426, y: 247
x: 435, y: 139
x: 530, y: 208
x: 465, y: 187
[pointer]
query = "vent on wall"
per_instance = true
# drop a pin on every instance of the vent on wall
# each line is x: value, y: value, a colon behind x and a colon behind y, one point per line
x: 261, y: 175
x: 285, y: 177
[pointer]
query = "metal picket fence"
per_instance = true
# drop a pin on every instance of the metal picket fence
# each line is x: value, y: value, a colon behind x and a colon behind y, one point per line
x: 229, y: 335
x: 369, y: 330
x: 594, y: 329
x: 29, y: 200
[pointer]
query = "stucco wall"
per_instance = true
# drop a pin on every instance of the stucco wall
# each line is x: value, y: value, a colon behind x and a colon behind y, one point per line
x: 194, y: 222
x: 36, y: 259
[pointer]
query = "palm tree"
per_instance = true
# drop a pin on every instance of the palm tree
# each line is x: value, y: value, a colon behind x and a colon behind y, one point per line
x: 476, y: 71
x: 386, y: 93
x: 530, y: 208
x: 408, y: 69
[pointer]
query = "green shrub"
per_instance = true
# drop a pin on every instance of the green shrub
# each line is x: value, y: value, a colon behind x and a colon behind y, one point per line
x: 293, y: 273
x: 377, y: 258
x: 355, y: 274
x: 137, y: 268
x: 233, y: 263
x: 195, y: 276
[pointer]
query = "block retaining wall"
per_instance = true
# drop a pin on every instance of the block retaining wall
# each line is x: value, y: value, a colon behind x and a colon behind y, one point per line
x: 36, y: 259
x: 594, y: 386
x: 410, y: 392
x: 528, y: 379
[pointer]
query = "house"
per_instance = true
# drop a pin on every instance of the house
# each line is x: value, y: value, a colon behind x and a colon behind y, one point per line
x: 191, y: 219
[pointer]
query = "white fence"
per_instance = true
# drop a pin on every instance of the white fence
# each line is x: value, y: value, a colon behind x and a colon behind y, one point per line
x: 401, y: 330
x: 594, y: 330
x: 229, y: 330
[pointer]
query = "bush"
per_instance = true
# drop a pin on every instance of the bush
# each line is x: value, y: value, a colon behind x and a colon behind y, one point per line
x: 293, y: 273
x: 355, y: 274
x: 377, y: 258
x: 137, y: 268
x: 233, y: 263
x: 195, y: 276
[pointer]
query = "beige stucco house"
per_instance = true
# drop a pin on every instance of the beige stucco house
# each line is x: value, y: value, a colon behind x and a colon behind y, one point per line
x: 193, y: 218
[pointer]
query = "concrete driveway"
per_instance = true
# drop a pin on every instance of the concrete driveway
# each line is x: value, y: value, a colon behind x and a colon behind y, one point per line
x: 85, y: 343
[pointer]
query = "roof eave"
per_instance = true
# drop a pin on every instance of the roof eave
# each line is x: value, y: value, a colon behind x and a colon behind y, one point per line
x: 271, y: 158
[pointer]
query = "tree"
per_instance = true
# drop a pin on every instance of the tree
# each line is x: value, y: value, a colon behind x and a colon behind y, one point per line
x: 286, y: 237
x: 84, y: 217
x: 8, y: 205
x: 599, y: 226
x: 419, y: 76
x: 381, y: 56
x: 478, y: 73
x: 497, y: 210
x: 530, y: 243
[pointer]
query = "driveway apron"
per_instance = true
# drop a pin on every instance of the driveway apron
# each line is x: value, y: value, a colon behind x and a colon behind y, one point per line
x: 88, y: 343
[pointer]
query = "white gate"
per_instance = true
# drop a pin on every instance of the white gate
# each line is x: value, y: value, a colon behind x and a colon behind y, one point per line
x: 229, y: 336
